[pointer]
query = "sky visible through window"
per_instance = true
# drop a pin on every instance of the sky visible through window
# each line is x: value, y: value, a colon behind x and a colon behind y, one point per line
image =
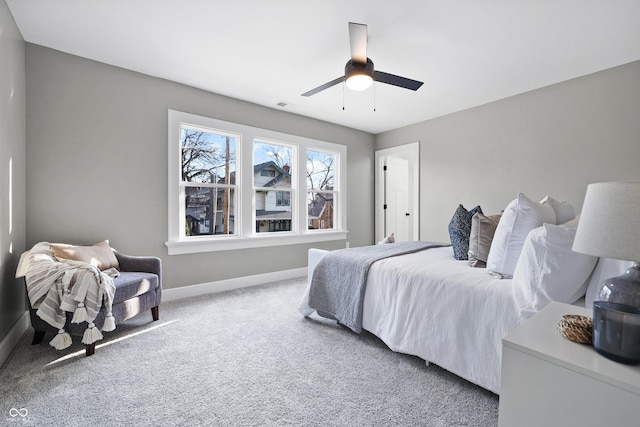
x: 204, y: 158
x: 206, y: 155
x: 264, y: 152
x: 320, y: 170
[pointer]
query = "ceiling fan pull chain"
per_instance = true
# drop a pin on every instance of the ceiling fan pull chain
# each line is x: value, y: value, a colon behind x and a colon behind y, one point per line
x: 343, y: 84
x: 374, y: 97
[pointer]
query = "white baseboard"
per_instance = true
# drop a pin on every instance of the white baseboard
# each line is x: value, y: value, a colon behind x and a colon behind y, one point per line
x: 230, y: 284
x: 9, y: 342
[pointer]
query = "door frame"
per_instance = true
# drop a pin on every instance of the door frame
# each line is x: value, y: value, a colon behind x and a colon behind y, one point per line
x: 410, y: 152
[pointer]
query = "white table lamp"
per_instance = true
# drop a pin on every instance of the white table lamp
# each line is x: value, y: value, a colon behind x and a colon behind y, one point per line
x: 609, y: 227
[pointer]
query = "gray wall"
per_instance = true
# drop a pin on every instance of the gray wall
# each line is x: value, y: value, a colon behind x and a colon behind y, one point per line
x: 555, y: 140
x: 97, y: 164
x: 12, y: 149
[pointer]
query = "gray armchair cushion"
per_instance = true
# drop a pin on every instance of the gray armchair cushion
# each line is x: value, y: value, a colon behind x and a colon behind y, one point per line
x: 131, y: 284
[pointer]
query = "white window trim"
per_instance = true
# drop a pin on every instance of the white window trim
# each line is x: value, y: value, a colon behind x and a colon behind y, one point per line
x: 245, y: 236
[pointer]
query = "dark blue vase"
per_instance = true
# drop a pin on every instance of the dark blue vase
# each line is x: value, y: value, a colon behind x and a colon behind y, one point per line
x: 616, y: 318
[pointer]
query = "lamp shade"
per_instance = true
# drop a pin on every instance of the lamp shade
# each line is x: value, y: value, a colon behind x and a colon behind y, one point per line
x: 609, y: 224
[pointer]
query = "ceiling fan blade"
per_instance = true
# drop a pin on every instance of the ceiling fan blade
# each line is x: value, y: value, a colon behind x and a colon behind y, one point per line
x: 392, y: 79
x: 358, y: 40
x: 324, y: 86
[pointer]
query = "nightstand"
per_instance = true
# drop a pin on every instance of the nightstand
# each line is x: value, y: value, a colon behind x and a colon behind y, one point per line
x: 548, y: 380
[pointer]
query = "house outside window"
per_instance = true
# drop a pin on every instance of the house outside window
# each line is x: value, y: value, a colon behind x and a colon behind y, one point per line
x: 234, y: 186
x: 272, y: 184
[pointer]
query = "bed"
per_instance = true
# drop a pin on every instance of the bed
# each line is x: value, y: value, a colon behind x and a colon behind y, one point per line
x: 439, y: 309
x: 431, y: 305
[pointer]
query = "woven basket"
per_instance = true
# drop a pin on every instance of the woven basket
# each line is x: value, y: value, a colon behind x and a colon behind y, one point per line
x: 576, y: 328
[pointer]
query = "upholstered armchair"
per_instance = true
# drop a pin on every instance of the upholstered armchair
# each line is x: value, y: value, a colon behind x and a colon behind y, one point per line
x: 138, y: 288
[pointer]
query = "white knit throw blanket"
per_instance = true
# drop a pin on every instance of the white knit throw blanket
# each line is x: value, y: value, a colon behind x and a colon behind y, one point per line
x: 56, y: 286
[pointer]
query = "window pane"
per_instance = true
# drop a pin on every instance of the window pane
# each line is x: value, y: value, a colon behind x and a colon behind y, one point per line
x: 273, y: 211
x: 209, y: 211
x: 320, y: 170
x: 271, y: 165
x: 272, y: 182
x: 320, y: 211
x: 207, y: 156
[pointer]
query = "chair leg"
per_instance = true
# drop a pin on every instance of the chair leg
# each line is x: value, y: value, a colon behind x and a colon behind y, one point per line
x: 90, y: 349
x: 155, y: 313
x: 38, y: 336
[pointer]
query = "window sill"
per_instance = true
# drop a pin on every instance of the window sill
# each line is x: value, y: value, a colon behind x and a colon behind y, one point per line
x: 196, y: 245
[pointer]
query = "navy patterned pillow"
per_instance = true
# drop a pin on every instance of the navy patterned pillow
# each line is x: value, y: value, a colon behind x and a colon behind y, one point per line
x: 460, y: 230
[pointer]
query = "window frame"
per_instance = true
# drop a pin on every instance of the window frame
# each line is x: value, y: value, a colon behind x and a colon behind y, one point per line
x: 245, y: 222
x: 183, y: 185
x: 292, y: 190
x: 337, y: 202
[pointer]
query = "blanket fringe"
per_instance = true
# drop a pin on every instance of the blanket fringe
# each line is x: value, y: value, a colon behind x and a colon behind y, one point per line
x: 80, y: 314
x: 61, y: 341
x: 109, y: 323
x: 91, y: 335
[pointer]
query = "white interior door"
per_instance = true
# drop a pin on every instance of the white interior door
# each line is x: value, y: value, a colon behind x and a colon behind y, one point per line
x: 411, y: 153
x: 396, y: 176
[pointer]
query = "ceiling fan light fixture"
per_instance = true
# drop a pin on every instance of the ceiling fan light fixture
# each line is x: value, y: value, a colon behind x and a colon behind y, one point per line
x: 358, y: 76
x: 359, y: 82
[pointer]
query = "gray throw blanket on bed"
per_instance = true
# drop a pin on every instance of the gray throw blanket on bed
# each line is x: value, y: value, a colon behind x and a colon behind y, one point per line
x: 340, y: 279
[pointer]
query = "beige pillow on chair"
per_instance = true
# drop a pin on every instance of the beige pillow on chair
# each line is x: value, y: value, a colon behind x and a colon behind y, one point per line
x: 99, y: 255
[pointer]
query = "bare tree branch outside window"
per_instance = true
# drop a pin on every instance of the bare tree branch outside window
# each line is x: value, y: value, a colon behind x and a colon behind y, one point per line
x: 320, y: 185
x: 207, y: 158
x: 320, y: 170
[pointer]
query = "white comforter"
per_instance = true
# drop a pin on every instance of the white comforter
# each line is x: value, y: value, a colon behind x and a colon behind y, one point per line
x: 429, y: 305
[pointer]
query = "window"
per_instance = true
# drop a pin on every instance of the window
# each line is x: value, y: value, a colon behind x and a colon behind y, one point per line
x: 207, y: 181
x: 320, y: 190
x: 234, y: 186
x: 272, y: 190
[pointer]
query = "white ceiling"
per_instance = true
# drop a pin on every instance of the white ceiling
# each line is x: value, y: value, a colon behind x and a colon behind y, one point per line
x: 467, y: 52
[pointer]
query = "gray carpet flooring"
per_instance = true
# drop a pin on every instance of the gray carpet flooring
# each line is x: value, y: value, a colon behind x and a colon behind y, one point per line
x: 243, y: 357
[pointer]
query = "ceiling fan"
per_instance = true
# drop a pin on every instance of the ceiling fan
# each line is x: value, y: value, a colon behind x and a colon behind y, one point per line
x: 359, y: 73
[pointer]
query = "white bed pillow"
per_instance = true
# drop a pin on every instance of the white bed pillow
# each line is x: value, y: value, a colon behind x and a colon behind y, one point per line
x: 564, y: 210
x: 548, y: 270
x: 605, y: 269
x: 389, y: 239
x: 520, y: 217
